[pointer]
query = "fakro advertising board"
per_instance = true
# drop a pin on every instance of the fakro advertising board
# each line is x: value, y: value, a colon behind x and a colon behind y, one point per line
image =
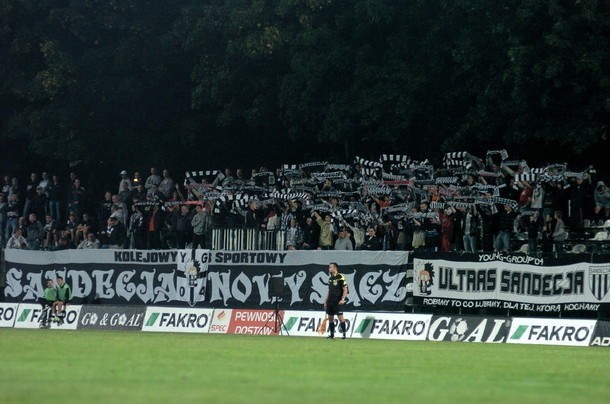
x: 174, y: 319
x: 546, y: 331
x: 8, y: 314
x: 28, y: 316
x: 410, y: 327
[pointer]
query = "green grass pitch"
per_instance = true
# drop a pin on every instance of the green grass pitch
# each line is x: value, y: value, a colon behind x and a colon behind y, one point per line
x: 111, y: 367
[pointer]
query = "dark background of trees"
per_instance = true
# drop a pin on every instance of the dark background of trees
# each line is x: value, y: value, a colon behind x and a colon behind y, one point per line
x: 201, y: 84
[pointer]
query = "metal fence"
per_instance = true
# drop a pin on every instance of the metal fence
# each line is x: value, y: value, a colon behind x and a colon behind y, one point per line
x: 239, y: 239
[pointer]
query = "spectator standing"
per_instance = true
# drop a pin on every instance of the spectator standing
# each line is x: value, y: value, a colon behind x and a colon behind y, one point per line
x: 13, y: 211
x: 124, y: 181
x: 202, y: 225
x: 371, y: 241
x: 326, y: 231
x: 510, y: 191
x: 39, y: 202
x: 120, y: 209
x: 537, y: 198
x: 293, y: 236
x: 55, y: 193
x: 507, y: 224
x: 471, y: 229
x: 166, y: 186
x: 240, y: 178
x: 457, y: 242
x: 77, y: 199
x: 388, y: 234
x: 6, y: 185
x: 137, y: 229
x: 138, y: 193
x: 559, y: 233
x: 602, y: 202
x: 153, y: 228
x: 35, y: 234
x: 15, y: 188
x: 30, y: 191
x: 104, y: 209
x: 252, y: 216
x: 547, y: 233
x: 430, y: 226
x: 44, y: 183
x: 125, y: 195
x: 153, y: 179
x: 117, y: 234
x: 533, y: 225
x: 224, y: 180
x: 357, y: 233
x: 180, y: 229
x: 154, y: 194
x: 577, y: 204
x: 447, y: 228
x: 311, y: 234
x: 488, y: 215
x: 137, y: 179
x: 343, y: 241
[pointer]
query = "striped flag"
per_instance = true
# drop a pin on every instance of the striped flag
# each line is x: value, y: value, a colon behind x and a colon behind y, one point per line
x: 599, y: 281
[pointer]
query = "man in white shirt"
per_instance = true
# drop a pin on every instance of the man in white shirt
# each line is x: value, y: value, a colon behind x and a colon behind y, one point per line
x: 17, y: 240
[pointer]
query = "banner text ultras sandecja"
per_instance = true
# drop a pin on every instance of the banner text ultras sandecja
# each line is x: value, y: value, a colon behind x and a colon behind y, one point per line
x: 517, y: 282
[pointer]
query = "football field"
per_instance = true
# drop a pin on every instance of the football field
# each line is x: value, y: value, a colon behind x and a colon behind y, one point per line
x: 108, y: 366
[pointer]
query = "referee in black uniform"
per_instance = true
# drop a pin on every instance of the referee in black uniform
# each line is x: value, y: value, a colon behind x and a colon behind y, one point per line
x: 337, y: 293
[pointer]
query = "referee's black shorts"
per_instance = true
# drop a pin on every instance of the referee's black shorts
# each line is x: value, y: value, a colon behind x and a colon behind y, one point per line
x: 334, y: 309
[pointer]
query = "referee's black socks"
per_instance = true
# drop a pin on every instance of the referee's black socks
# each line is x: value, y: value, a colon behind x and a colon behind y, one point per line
x: 343, y: 328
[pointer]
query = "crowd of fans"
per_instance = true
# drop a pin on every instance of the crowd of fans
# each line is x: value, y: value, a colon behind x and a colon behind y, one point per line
x: 469, y: 204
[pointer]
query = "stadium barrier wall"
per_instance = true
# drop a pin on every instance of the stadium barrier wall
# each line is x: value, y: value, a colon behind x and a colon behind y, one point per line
x: 379, y: 281
x: 295, y: 323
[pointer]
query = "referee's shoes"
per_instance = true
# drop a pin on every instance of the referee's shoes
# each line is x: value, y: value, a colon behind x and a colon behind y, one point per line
x: 332, y: 336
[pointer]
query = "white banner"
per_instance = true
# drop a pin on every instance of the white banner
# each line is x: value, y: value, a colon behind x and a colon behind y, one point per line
x: 306, y: 324
x: 412, y: 327
x: 222, y: 258
x: 172, y: 319
x: 458, y: 328
x: 28, y: 316
x: 507, y: 284
x: 211, y: 279
x: 551, y: 331
x: 221, y: 321
x: 8, y: 314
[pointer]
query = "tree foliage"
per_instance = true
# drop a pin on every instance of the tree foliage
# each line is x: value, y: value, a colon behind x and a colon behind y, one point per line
x: 164, y: 82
